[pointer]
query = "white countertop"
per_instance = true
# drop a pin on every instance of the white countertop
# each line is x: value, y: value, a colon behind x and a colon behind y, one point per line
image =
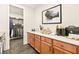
x: 60, y: 38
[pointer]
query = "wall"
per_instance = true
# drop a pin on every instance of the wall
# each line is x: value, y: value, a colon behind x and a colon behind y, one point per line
x: 70, y: 15
x: 4, y: 23
x: 28, y: 21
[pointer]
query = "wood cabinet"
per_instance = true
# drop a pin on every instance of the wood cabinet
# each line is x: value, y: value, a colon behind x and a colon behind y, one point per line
x: 58, y: 50
x: 78, y: 50
x: 28, y: 37
x: 46, y: 45
x: 31, y: 39
x: 37, y: 43
x: 65, y: 46
x: 46, y: 48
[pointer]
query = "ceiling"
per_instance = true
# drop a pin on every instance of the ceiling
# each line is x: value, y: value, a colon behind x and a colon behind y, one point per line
x: 31, y: 5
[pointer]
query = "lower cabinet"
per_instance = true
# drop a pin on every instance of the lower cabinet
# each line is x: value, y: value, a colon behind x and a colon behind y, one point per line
x: 37, y: 45
x: 46, y: 48
x: 65, y: 47
x: 78, y: 50
x: 31, y: 39
x: 32, y: 42
x: 45, y: 45
x: 60, y: 51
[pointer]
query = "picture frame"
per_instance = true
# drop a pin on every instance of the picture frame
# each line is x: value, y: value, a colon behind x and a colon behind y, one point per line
x: 52, y: 15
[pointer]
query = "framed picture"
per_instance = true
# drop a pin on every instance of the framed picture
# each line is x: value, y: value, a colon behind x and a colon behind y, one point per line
x: 52, y: 15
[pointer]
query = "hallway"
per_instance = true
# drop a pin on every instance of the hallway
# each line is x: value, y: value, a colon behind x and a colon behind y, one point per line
x: 18, y: 48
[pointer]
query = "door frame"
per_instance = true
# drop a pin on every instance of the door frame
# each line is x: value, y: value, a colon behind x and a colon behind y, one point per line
x: 18, y: 6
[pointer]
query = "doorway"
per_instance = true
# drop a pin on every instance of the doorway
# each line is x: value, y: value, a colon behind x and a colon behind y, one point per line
x: 15, y: 24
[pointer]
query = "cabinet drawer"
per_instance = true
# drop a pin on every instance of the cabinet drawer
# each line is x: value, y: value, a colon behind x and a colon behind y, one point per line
x: 43, y: 39
x: 65, y: 46
x: 60, y: 51
x: 37, y: 37
x: 31, y: 35
x: 46, y: 48
x: 37, y: 45
x: 49, y: 40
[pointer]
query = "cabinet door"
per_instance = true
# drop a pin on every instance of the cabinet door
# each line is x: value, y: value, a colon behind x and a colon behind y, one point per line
x: 31, y: 39
x: 46, y: 48
x: 32, y: 42
x: 77, y: 49
x: 28, y: 37
x: 58, y: 50
x: 37, y: 45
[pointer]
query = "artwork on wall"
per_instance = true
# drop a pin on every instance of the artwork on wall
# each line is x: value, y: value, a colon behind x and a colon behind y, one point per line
x: 52, y: 15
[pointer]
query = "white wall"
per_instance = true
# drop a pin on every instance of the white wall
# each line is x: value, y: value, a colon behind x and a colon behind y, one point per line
x: 70, y: 15
x: 4, y: 23
x: 28, y: 21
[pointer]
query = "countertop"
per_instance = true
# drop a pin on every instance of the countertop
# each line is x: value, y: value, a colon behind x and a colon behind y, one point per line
x: 60, y: 38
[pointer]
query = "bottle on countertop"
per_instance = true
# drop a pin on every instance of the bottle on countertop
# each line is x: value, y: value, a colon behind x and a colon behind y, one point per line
x: 41, y: 27
x: 33, y: 29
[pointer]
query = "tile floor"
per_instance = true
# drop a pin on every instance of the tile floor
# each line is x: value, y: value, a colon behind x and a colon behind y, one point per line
x: 16, y: 47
